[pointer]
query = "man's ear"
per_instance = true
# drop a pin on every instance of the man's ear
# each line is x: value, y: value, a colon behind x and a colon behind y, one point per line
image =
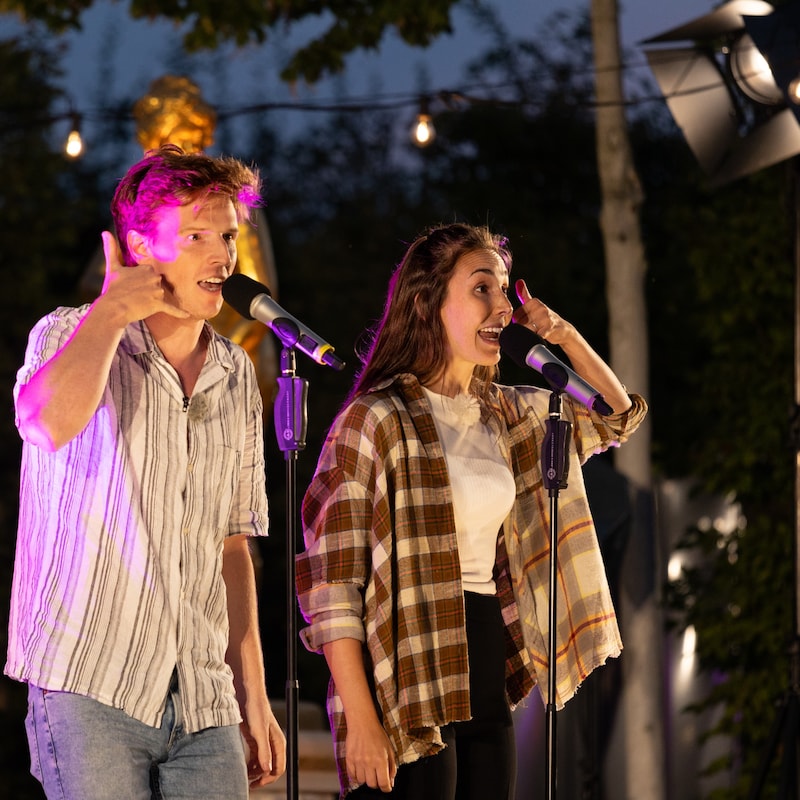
x: 139, y: 246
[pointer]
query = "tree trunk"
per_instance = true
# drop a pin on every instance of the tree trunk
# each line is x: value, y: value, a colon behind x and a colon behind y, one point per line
x: 641, y: 731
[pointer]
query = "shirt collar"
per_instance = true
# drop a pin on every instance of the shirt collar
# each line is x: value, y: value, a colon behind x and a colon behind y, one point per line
x: 137, y: 340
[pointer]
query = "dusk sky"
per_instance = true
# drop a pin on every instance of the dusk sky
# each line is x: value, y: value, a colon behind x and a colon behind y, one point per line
x: 116, y: 54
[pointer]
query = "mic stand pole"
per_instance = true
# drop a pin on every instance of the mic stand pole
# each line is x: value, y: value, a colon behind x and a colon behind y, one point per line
x: 555, y: 467
x: 290, y: 429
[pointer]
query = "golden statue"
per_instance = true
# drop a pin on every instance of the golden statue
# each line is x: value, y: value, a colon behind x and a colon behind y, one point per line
x: 174, y: 112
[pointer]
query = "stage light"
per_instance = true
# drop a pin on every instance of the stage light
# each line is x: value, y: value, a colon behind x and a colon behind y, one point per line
x: 735, y: 115
x: 751, y: 71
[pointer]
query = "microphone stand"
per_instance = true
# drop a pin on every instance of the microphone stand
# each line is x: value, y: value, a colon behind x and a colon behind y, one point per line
x: 555, y: 468
x: 291, y: 418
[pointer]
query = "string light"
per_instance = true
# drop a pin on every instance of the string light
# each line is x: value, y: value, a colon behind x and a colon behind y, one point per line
x: 74, y: 144
x: 423, y: 132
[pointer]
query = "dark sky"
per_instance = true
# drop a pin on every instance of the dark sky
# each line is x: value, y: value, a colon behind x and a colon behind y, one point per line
x: 117, y: 58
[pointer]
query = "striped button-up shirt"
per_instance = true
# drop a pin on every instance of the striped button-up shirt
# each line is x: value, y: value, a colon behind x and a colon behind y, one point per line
x: 117, y: 578
x: 381, y: 560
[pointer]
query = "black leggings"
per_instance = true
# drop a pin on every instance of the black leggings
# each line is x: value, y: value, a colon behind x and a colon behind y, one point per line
x: 480, y: 760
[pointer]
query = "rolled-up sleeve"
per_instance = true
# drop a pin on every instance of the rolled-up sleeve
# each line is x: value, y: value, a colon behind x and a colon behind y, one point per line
x: 595, y: 433
x: 331, y: 610
x: 337, y: 515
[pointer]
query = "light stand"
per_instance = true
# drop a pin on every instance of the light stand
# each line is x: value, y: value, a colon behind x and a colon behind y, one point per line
x: 290, y: 415
x: 739, y: 116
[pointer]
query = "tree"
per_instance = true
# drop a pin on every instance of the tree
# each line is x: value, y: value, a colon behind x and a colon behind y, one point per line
x: 641, y: 617
x: 46, y: 203
x: 343, y: 25
x: 718, y: 292
x: 736, y: 414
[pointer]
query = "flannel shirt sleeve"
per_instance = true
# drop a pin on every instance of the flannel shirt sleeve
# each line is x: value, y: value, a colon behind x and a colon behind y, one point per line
x: 337, y: 515
x: 594, y: 433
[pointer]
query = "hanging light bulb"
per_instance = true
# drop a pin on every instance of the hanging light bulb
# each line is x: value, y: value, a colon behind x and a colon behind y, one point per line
x: 74, y: 144
x: 422, y: 132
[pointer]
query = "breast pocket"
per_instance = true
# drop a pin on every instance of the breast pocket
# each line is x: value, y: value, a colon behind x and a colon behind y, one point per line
x: 215, y: 487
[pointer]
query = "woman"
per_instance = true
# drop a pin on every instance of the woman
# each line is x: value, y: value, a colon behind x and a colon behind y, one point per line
x: 425, y: 575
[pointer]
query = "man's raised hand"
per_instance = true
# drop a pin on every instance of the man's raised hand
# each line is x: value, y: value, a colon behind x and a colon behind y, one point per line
x: 138, y: 292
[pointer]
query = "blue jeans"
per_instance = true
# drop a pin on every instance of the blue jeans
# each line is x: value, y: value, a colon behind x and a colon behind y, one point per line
x: 84, y: 750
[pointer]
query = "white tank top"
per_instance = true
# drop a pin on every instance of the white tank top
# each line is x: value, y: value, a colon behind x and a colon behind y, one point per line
x: 482, y: 485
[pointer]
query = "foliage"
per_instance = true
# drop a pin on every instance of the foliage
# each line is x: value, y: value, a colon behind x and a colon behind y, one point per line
x: 722, y: 305
x: 527, y: 166
x: 339, y: 26
x: 45, y: 206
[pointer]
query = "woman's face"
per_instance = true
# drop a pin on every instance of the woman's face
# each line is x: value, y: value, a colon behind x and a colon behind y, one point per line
x: 475, y: 309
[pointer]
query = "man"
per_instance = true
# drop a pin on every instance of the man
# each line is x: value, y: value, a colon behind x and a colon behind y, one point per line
x: 133, y: 616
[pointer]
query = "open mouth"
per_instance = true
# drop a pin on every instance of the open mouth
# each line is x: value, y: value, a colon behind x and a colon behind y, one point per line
x: 211, y: 284
x: 490, y: 334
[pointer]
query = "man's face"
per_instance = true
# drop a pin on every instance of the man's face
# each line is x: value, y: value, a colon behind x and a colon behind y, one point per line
x: 193, y: 246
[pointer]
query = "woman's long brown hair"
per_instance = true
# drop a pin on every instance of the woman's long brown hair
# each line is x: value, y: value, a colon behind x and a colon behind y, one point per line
x: 410, y: 336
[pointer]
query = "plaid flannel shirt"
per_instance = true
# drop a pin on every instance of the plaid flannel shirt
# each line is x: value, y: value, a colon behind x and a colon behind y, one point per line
x: 381, y: 560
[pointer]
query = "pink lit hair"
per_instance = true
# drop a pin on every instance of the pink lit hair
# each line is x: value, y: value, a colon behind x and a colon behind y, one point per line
x: 170, y: 176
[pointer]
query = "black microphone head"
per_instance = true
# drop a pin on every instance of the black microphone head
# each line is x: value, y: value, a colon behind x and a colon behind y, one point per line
x: 516, y: 341
x: 239, y: 292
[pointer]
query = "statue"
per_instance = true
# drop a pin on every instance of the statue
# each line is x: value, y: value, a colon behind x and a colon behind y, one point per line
x: 173, y: 111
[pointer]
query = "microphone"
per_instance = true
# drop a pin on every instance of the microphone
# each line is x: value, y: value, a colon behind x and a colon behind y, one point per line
x: 254, y: 301
x: 525, y: 348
